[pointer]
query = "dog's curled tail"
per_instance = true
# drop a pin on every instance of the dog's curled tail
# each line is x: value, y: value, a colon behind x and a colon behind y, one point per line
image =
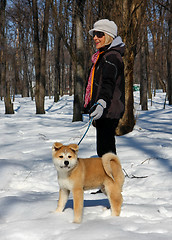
x: 106, y: 161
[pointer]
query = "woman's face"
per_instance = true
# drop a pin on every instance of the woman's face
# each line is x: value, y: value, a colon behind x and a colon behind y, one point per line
x: 99, y: 40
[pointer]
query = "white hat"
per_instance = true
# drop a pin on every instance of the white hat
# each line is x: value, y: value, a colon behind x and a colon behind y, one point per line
x: 106, y: 26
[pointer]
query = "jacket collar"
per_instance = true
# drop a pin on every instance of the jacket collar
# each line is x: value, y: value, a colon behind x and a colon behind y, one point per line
x: 117, y: 44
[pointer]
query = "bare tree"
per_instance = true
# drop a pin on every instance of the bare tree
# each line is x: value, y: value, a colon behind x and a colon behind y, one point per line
x: 5, y: 82
x: 131, y: 15
x: 78, y: 89
x: 57, y: 41
x: 40, y: 54
x: 37, y: 58
x: 63, y: 38
x: 169, y: 47
x: 77, y: 55
x: 143, y: 72
x: 67, y: 29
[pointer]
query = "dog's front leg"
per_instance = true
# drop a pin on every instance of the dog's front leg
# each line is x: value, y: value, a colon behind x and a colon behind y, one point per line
x: 63, y: 197
x: 78, y: 204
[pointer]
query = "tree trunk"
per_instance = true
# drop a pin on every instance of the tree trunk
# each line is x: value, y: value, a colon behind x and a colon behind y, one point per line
x: 17, y: 64
x: 154, y: 28
x: 127, y: 122
x: 147, y: 64
x: 105, y: 8
x: 57, y: 67
x: 62, y: 72
x: 5, y: 84
x: 40, y: 56
x: 78, y: 88
x: 25, y: 88
x: 7, y: 98
x: 43, y: 56
x: 37, y: 58
x: 143, y: 76
x: 169, y: 47
x: 70, y: 78
x: 133, y: 12
x: 2, y: 48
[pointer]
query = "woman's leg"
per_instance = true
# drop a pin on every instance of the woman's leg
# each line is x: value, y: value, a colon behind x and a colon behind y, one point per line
x: 106, y: 135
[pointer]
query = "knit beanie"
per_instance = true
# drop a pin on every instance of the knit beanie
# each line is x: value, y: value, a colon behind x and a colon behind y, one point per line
x: 106, y: 26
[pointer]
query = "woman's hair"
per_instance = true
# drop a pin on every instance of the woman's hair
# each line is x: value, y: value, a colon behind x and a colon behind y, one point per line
x: 108, y: 39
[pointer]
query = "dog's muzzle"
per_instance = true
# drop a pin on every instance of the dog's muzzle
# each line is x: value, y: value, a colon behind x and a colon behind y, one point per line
x: 66, y: 163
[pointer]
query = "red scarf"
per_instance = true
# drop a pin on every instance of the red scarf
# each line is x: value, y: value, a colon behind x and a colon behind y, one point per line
x: 89, y: 89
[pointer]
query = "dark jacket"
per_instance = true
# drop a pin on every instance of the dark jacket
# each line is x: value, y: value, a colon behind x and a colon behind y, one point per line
x: 109, y: 82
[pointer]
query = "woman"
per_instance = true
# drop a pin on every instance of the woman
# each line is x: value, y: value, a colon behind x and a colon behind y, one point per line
x: 105, y: 92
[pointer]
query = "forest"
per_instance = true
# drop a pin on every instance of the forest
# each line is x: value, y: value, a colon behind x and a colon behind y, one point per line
x: 45, y: 50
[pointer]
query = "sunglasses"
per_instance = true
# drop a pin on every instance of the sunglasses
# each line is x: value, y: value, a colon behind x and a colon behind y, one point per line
x: 98, y: 34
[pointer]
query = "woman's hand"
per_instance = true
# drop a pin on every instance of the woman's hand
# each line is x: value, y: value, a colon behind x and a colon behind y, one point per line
x: 99, y: 108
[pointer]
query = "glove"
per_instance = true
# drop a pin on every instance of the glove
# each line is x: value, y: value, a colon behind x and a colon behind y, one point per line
x: 98, y: 112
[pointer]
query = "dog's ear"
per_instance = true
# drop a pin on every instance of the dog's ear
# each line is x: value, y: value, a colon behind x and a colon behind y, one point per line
x: 74, y: 147
x: 57, y: 146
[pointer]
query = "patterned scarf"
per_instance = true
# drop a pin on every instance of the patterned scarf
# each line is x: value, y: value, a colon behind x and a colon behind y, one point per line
x: 89, y: 89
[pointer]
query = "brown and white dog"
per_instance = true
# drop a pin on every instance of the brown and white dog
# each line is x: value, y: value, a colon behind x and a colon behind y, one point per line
x: 79, y: 174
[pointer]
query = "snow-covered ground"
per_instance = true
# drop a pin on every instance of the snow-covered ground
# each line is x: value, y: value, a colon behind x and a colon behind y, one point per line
x: 28, y: 180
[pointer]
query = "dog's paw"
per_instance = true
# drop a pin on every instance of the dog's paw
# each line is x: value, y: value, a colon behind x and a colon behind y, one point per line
x: 77, y: 220
x: 58, y: 210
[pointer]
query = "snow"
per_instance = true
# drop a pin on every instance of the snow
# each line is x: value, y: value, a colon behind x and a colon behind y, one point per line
x: 28, y: 181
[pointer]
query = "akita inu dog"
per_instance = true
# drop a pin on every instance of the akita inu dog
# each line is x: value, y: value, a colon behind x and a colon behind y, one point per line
x: 79, y: 174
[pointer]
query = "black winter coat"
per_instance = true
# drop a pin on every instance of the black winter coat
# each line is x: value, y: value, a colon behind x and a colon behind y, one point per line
x: 109, y: 82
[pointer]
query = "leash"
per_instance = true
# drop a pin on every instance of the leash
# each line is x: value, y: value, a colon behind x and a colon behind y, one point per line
x: 91, y: 119
x: 90, y: 122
